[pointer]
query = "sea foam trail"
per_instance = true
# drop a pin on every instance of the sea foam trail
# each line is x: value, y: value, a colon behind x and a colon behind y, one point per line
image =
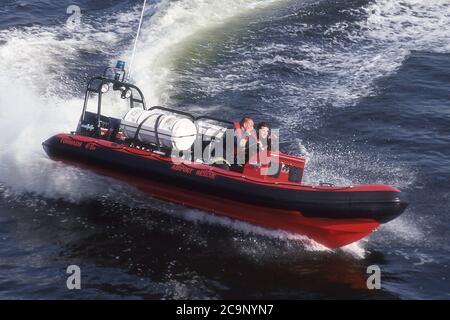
x: 380, y: 41
x: 341, y: 69
x: 411, y: 24
x: 41, y: 101
x: 171, y: 28
x: 383, y: 39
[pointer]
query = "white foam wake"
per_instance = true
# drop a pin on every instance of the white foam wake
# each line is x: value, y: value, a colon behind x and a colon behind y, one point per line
x: 342, y: 68
x: 174, y: 25
x: 410, y: 24
x: 38, y: 98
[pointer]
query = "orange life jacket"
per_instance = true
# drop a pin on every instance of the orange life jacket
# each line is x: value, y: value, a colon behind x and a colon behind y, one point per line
x: 240, y: 135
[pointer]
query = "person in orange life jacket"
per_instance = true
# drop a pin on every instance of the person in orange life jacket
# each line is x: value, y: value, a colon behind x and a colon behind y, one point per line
x: 248, y: 131
x: 245, y: 135
x: 265, y: 137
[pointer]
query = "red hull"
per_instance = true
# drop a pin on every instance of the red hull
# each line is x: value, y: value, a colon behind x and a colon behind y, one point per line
x: 331, y: 233
x: 328, y: 232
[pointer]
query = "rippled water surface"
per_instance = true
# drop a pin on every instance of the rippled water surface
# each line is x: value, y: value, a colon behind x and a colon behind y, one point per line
x: 361, y: 87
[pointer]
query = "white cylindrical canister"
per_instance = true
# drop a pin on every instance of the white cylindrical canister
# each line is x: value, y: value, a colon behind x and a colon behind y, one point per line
x: 174, y: 131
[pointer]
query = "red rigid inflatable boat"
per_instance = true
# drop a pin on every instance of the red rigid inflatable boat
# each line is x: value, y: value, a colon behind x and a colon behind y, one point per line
x: 139, y: 149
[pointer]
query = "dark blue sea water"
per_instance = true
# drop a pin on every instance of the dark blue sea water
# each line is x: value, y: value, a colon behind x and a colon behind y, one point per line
x: 360, y: 87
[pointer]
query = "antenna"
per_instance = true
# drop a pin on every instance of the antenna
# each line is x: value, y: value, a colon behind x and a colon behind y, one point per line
x: 136, y: 40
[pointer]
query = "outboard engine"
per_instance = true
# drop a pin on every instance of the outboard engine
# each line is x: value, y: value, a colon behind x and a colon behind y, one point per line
x: 160, y: 128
